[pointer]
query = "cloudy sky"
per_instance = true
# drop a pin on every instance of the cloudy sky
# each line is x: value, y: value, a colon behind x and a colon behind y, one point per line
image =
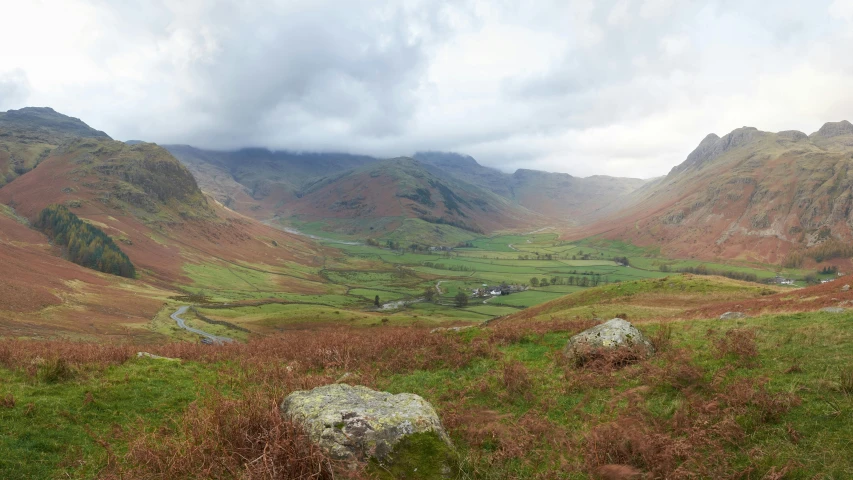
x: 624, y: 87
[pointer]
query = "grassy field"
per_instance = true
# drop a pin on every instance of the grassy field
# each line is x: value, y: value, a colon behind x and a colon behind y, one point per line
x: 763, y: 397
x: 399, y: 277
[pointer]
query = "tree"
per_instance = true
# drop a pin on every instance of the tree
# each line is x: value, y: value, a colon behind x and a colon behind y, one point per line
x: 534, y: 282
x: 376, y: 301
x: 543, y: 282
x: 429, y: 294
x: 461, y: 299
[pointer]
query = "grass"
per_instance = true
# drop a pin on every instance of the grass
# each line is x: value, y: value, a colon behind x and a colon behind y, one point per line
x: 55, y: 426
x: 353, y: 279
x: 762, y: 395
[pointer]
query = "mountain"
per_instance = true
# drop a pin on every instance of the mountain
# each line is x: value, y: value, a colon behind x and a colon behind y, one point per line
x: 559, y: 196
x: 150, y: 205
x: 783, y: 197
x: 256, y: 181
x: 262, y: 184
x: 377, y: 198
x: 28, y: 135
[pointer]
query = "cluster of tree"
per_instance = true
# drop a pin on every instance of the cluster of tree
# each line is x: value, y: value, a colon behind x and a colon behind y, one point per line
x: 430, y: 293
x: 83, y: 244
x: 825, y: 251
x: 829, y: 270
x: 703, y: 270
x: 829, y: 250
x: 587, y: 280
x: 452, y: 268
x: 622, y: 260
x: 465, y: 245
x: 546, y: 256
x: 451, y: 222
x: 461, y: 299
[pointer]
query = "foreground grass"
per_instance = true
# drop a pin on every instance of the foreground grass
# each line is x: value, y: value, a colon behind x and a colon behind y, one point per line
x: 775, y: 396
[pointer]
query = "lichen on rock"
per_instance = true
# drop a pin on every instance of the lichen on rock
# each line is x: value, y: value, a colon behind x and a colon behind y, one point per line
x: 355, y: 423
x: 612, y: 334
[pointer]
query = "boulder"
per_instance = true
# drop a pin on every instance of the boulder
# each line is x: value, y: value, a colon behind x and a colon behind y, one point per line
x: 845, y: 288
x: 612, y: 334
x: 355, y: 423
x: 155, y: 357
x: 833, y: 310
x: 732, y: 316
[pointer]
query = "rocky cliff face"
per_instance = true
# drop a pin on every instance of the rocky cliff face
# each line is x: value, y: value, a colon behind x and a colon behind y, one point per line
x: 751, y: 195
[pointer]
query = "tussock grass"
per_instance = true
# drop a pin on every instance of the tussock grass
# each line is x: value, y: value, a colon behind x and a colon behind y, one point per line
x: 718, y: 400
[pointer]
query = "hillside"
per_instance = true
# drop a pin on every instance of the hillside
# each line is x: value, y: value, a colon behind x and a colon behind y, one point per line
x: 375, y: 199
x: 766, y: 396
x: 256, y: 181
x: 28, y: 135
x: 151, y: 207
x: 750, y: 195
x: 261, y: 183
x: 560, y: 196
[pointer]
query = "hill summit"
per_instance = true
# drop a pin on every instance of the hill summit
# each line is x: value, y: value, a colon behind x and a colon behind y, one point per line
x: 750, y: 195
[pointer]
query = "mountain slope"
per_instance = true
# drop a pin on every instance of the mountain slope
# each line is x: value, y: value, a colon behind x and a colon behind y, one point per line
x: 261, y: 183
x: 748, y: 195
x: 28, y: 135
x: 256, y: 181
x: 559, y: 196
x: 149, y: 202
x: 150, y: 205
x: 403, y: 188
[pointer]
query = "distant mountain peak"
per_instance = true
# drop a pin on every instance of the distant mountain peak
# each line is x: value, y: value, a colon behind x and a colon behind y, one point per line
x: 835, y: 129
x: 713, y: 146
x: 49, y: 122
x: 792, y: 135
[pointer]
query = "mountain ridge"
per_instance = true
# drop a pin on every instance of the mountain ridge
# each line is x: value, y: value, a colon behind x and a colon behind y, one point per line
x: 749, y: 195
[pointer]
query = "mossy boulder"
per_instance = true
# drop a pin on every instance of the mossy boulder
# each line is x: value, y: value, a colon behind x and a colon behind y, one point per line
x: 355, y: 423
x: 610, y: 335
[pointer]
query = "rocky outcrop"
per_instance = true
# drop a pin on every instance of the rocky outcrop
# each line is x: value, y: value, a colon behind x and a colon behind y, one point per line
x: 792, y: 135
x: 355, y: 423
x: 732, y: 316
x: 833, y: 310
x: 835, y: 129
x: 612, y: 334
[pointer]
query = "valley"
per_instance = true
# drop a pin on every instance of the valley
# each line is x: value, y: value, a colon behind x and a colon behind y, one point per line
x: 159, y: 300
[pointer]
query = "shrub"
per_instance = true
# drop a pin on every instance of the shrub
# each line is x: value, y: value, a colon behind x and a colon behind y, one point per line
x: 739, y: 343
x: 54, y: 370
x: 226, y: 438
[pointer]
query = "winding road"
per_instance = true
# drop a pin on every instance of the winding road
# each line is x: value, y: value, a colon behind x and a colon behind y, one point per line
x: 216, y: 340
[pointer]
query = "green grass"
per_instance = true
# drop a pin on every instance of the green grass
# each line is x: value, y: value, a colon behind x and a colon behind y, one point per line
x: 45, y: 433
x: 54, y: 428
x: 353, y: 278
x: 823, y: 420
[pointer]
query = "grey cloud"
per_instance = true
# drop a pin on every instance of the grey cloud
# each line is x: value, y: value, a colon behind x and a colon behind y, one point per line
x: 14, y: 89
x: 627, y: 86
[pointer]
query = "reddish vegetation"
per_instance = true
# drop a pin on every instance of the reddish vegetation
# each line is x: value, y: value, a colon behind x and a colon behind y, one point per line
x: 221, y: 436
x: 795, y: 300
x: 750, y: 195
x: 44, y: 295
x: 230, y: 237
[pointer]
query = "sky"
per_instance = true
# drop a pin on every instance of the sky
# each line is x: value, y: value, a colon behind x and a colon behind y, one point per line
x: 613, y: 87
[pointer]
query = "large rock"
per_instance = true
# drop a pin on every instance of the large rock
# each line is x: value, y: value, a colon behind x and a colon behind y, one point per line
x: 732, y: 316
x: 612, y: 334
x: 833, y: 310
x: 356, y: 423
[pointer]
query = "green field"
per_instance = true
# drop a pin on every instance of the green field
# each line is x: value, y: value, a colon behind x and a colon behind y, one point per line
x: 399, y: 277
